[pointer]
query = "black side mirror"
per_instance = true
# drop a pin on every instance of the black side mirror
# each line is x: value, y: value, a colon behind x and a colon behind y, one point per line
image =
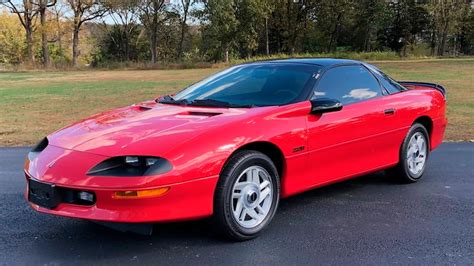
x: 325, y: 105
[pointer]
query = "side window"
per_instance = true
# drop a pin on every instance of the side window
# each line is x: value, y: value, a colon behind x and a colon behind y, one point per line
x: 348, y: 84
x: 389, y: 84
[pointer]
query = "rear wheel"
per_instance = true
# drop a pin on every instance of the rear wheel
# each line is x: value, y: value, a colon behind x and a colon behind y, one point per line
x: 247, y: 195
x: 413, y: 155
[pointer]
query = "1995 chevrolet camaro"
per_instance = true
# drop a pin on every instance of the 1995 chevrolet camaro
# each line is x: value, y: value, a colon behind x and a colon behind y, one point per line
x: 233, y: 144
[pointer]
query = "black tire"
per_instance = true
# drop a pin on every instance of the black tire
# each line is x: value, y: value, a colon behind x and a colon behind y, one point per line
x: 225, y: 221
x: 401, y: 171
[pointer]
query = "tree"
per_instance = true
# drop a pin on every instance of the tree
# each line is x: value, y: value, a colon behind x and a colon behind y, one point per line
x: 396, y: 35
x: 125, y: 15
x: 268, y: 8
x: 220, y: 28
x: 83, y: 11
x: 12, y: 42
x: 332, y: 16
x: 466, y: 32
x: 447, y: 15
x: 368, y: 18
x: 252, y: 16
x: 41, y: 7
x: 26, y: 14
x: 61, y: 29
x: 409, y: 20
x: 289, y: 23
x: 151, y: 17
x: 185, y: 8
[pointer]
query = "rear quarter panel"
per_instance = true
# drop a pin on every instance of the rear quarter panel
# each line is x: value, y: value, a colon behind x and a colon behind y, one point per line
x: 416, y: 103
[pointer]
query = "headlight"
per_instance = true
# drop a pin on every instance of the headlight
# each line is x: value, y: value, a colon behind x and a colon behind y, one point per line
x: 38, y: 148
x: 131, y: 166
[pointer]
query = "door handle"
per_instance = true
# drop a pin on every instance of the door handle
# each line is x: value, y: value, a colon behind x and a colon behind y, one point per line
x: 390, y: 111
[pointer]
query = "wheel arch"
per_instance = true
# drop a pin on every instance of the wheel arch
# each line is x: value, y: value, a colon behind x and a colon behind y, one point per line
x: 269, y: 149
x: 427, y: 122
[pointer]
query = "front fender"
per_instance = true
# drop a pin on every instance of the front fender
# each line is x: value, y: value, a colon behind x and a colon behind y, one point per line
x: 205, y: 155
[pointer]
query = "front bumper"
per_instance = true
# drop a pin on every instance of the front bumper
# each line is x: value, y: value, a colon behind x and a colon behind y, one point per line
x: 65, y: 169
x: 183, y: 201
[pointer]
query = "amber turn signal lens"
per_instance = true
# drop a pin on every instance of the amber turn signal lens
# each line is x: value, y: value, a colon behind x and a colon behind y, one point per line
x: 139, y: 194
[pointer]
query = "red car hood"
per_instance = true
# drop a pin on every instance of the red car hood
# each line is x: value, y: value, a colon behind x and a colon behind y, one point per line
x: 145, y: 129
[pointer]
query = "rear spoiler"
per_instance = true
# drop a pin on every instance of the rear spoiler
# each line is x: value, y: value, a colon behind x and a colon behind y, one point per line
x: 424, y: 84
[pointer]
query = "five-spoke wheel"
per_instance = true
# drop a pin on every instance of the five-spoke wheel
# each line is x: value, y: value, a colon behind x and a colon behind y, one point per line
x: 416, y: 153
x: 252, y: 196
x: 413, y: 155
x: 247, y: 195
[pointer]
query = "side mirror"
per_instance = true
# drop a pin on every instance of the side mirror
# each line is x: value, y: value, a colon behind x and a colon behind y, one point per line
x: 325, y: 105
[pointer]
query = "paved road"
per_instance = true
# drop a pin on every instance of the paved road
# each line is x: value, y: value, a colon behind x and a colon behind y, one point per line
x: 368, y: 220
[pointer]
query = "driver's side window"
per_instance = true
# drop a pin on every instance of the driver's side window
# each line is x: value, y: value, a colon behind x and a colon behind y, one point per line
x: 348, y: 84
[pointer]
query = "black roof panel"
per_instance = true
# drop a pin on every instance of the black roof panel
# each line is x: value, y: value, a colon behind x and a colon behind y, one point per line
x: 324, y: 62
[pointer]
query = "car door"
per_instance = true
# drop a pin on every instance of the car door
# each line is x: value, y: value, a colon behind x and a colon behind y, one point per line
x: 351, y: 141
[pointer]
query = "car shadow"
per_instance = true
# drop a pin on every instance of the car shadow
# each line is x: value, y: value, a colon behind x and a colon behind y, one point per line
x: 94, y: 240
x: 197, y: 229
x: 375, y: 179
x: 203, y: 227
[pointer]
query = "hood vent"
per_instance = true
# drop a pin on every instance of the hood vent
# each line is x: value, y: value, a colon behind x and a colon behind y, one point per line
x: 197, y: 113
x: 141, y: 107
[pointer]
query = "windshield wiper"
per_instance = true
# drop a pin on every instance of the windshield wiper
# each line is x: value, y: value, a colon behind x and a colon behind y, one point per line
x: 218, y: 103
x: 202, y: 102
x: 170, y: 100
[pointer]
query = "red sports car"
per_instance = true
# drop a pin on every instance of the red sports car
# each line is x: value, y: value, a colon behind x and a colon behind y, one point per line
x: 233, y: 144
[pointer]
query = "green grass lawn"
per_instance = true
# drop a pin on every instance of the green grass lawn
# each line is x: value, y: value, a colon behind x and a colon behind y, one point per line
x: 32, y: 104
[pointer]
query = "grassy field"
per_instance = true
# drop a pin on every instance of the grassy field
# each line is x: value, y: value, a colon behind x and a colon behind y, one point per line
x: 33, y: 104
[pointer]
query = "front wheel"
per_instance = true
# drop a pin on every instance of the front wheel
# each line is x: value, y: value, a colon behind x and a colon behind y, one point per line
x: 413, y: 155
x: 247, y: 195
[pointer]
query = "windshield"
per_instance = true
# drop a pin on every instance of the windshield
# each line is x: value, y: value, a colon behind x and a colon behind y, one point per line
x: 250, y: 85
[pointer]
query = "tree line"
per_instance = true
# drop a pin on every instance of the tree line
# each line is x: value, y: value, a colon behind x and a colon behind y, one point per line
x: 96, y: 32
